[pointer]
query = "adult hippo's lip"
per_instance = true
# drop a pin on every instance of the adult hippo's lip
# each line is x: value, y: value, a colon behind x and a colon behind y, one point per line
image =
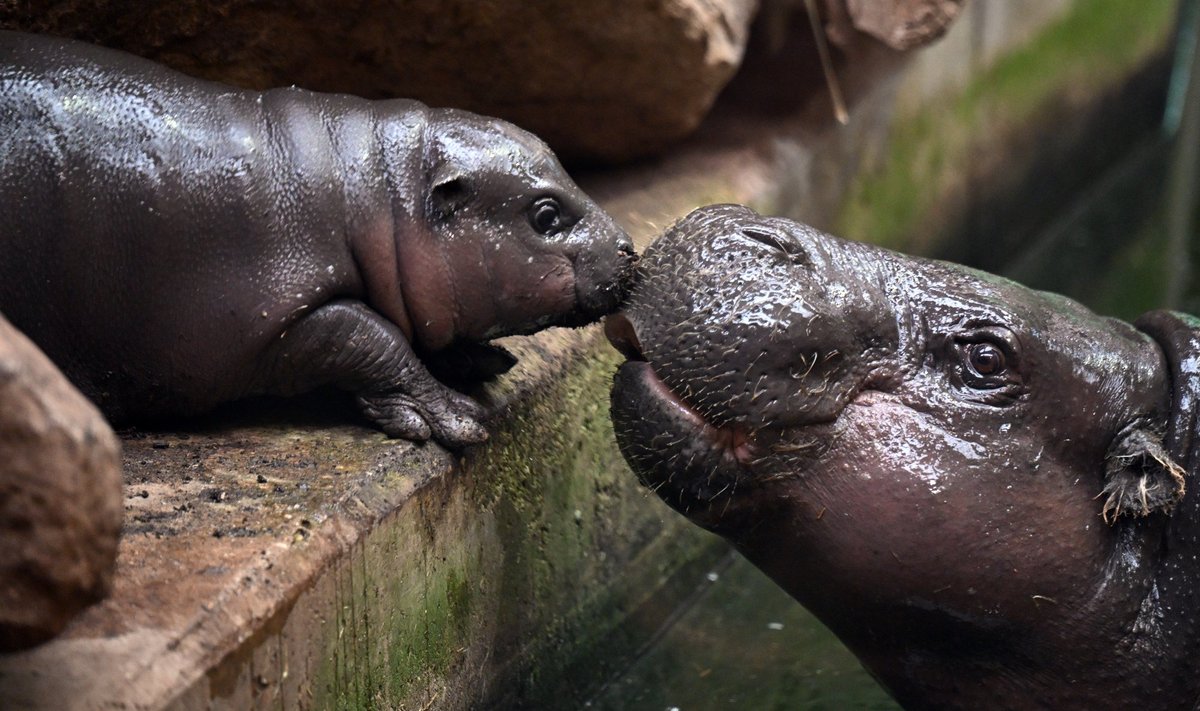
x: 732, y: 439
x: 623, y: 336
x: 696, y: 468
x: 665, y: 438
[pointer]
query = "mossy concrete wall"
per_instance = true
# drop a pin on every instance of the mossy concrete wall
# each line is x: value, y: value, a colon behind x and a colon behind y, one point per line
x: 970, y: 173
x: 281, y: 555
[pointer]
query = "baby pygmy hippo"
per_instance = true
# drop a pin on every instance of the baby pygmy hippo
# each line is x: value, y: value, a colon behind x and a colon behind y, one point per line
x: 174, y: 243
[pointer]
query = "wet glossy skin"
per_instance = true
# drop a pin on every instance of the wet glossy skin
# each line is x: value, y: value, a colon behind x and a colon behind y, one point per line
x: 919, y: 453
x: 173, y: 243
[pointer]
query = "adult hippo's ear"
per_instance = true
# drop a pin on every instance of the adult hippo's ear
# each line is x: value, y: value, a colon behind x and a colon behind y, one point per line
x: 1140, y: 477
x: 1147, y: 472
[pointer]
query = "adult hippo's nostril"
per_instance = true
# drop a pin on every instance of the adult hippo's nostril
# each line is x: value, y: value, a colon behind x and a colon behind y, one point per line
x: 780, y: 243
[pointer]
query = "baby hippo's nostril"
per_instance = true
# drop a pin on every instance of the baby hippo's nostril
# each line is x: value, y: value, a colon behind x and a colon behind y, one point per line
x: 625, y: 247
x: 776, y: 241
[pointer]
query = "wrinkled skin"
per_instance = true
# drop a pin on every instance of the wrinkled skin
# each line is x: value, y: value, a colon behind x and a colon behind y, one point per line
x: 173, y: 244
x: 978, y: 487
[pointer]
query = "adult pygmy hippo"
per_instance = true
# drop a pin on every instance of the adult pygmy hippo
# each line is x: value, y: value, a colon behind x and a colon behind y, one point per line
x: 174, y: 243
x: 978, y: 487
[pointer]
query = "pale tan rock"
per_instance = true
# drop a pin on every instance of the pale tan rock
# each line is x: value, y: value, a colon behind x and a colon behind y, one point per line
x: 853, y: 24
x: 605, y: 80
x: 903, y: 24
x: 60, y: 497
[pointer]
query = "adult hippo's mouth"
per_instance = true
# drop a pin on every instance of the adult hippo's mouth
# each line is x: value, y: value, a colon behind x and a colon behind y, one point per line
x: 705, y: 409
x: 728, y: 450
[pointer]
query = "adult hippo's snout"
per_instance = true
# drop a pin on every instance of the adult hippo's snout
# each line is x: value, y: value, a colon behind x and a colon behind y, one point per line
x: 977, y: 486
x: 744, y: 330
x: 747, y: 324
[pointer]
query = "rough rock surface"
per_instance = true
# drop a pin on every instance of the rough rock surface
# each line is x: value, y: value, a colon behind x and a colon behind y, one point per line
x: 903, y: 24
x: 607, y: 80
x: 60, y: 497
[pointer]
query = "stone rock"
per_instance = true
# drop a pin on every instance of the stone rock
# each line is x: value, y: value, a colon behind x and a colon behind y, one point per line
x: 607, y: 80
x: 60, y: 497
x: 853, y: 25
x: 903, y: 24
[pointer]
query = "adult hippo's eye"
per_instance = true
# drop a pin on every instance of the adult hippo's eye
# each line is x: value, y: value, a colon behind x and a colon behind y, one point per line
x: 545, y: 216
x: 988, y: 359
x: 985, y: 359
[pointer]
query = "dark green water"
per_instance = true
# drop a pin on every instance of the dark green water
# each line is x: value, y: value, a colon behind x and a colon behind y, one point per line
x: 744, y: 644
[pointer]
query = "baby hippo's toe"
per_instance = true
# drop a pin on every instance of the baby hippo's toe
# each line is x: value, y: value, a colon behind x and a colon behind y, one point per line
x: 452, y: 420
x: 396, y: 417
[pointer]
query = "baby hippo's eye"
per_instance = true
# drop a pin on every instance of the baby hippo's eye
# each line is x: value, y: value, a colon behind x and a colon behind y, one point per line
x: 545, y: 216
x: 985, y: 359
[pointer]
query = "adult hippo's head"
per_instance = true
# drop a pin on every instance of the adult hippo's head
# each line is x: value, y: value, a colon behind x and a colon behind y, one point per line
x: 977, y: 486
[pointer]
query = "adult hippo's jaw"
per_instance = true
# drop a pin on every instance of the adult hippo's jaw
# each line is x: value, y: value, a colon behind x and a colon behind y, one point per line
x: 965, y: 479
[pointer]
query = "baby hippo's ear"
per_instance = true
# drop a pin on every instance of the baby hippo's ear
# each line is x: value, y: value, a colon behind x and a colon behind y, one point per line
x: 448, y: 195
x: 1140, y: 477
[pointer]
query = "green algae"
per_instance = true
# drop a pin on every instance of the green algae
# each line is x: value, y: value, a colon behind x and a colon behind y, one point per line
x: 935, y: 145
x: 573, y: 520
x: 495, y: 581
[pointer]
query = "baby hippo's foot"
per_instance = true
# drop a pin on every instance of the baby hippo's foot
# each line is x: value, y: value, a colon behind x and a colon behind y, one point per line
x: 449, y: 417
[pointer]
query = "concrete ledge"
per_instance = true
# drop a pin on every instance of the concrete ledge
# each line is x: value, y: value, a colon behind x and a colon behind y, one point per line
x: 318, y: 564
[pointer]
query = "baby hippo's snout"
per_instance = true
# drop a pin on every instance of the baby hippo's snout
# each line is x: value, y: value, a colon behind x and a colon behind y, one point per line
x: 604, y: 272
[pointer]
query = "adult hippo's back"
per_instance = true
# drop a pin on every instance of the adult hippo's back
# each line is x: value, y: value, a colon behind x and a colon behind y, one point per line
x: 174, y: 243
x: 980, y: 488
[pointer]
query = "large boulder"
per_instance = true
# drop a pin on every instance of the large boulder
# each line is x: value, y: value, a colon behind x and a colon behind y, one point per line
x: 60, y: 497
x: 606, y: 80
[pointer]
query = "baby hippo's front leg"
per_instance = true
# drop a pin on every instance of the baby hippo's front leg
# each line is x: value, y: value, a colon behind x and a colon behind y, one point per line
x: 347, y: 344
